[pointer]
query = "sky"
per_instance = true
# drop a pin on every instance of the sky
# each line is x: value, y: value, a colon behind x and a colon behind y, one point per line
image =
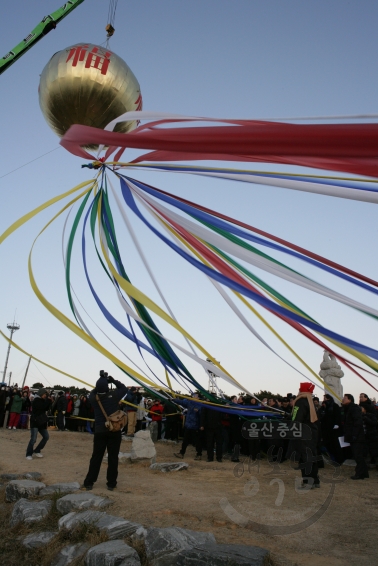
x: 211, y: 58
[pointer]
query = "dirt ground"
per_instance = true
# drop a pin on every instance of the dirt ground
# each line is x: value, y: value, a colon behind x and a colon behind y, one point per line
x: 334, y: 526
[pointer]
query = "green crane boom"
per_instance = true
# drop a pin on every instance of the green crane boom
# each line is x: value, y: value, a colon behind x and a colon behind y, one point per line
x: 47, y: 24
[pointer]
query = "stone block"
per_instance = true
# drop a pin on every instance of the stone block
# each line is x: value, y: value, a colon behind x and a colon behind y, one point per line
x: 115, y: 527
x: 164, y: 545
x: 69, y: 553
x: 29, y: 511
x: 140, y: 534
x: 220, y: 555
x: 72, y: 519
x: 17, y: 489
x: 26, y: 476
x: 112, y: 553
x: 35, y: 540
x: 142, y: 447
x: 32, y: 475
x: 60, y: 488
x: 78, y: 501
x: 170, y: 467
x: 10, y: 477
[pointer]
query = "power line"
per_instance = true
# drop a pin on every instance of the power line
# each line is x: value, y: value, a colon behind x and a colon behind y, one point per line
x: 28, y: 163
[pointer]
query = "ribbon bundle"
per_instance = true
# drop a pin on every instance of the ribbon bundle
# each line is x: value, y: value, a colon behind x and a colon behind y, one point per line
x: 217, y: 245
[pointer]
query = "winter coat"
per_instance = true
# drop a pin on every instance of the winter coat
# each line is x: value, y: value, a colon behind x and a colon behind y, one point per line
x: 3, y: 398
x: 38, y: 417
x: 192, y: 417
x: 69, y: 405
x: 330, y: 417
x: 210, y: 418
x: 157, y: 408
x: 370, y: 424
x: 76, y: 408
x: 131, y: 397
x: 110, y: 403
x: 84, y: 409
x: 26, y: 404
x: 60, y: 404
x: 16, y: 406
x: 301, y: 414
x: 353, y: 423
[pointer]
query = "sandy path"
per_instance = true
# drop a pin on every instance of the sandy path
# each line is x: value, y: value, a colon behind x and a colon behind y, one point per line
x: 345, y: 535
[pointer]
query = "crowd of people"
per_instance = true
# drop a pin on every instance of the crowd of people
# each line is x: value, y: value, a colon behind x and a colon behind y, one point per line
x: 216, y: 432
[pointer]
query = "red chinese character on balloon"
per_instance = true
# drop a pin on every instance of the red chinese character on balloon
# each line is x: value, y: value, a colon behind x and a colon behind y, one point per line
x: 97, y: 58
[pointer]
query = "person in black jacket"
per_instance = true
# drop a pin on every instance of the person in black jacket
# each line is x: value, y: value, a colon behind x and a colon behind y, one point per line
x: 369, y: 419
x: 60, y: 405
x: 354, y: 434
x: 38, y: 423
x: 304, y: 412
x: 330, y: 425
x: 211, y: 423
x: 103, y: 439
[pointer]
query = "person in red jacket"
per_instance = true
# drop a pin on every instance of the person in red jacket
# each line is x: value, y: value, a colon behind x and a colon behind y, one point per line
x: 156, y: 414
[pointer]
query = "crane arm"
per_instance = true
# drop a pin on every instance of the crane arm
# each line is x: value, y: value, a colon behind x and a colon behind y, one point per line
x: 43, y: 28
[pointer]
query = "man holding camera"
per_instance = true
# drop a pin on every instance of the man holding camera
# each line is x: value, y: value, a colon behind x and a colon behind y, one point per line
x: 105, y: 400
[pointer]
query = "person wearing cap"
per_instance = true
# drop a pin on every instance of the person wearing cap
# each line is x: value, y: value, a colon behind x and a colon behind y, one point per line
x: 103, y: 439
x: 304, y: 412
x: 38, y: 423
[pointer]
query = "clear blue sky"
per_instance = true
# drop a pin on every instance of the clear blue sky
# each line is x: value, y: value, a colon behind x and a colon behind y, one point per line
x: 213, y: 58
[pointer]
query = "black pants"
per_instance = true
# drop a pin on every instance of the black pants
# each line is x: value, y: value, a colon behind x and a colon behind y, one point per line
x: 358, y: 454
x: 191, y: 436
x: 171, y: 429
x: 214, y: 435
x: 102, y: 441
x: 306, y: 450
x: 60, y: 420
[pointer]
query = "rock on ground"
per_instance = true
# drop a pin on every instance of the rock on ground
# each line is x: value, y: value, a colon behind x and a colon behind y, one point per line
x: 69, y: 553
x: 221, y: 555
x: 26, y: 476
x: 164, y: 545
x: 60, y: 488
x: 29, y: 511
x: 16, y: 489
x: 35, y: 540
x: 76, y: 501
x: 115, y: 527
x: 112, y: 553
x: 124, y: 457
x: 142, y: 447
x: 170, y: 466
x: 154, y: 431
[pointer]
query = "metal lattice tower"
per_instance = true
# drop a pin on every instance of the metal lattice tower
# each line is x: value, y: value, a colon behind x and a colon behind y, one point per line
x: 13, y: 327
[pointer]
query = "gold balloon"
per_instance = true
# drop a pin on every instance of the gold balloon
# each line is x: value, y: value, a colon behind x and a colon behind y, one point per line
x: 87, y: 84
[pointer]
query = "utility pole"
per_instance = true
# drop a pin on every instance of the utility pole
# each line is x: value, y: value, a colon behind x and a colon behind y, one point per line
x: 13, y: 327
x: 26, y: 372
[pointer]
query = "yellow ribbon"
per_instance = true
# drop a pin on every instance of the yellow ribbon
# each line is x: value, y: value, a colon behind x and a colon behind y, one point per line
x: 202, y: 259
x: 65, y: 320
x: 41, y: 362
x: 148, y: 303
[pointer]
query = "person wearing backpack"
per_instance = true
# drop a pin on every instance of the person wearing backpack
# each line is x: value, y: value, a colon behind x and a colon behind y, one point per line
x: 109, y: 421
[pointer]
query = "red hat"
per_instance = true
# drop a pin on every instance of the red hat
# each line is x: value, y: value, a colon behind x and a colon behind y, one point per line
x: 306, y: 387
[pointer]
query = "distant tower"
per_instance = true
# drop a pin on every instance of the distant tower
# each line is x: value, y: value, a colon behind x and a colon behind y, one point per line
x: 12, y: 326
x: 213, y: 385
